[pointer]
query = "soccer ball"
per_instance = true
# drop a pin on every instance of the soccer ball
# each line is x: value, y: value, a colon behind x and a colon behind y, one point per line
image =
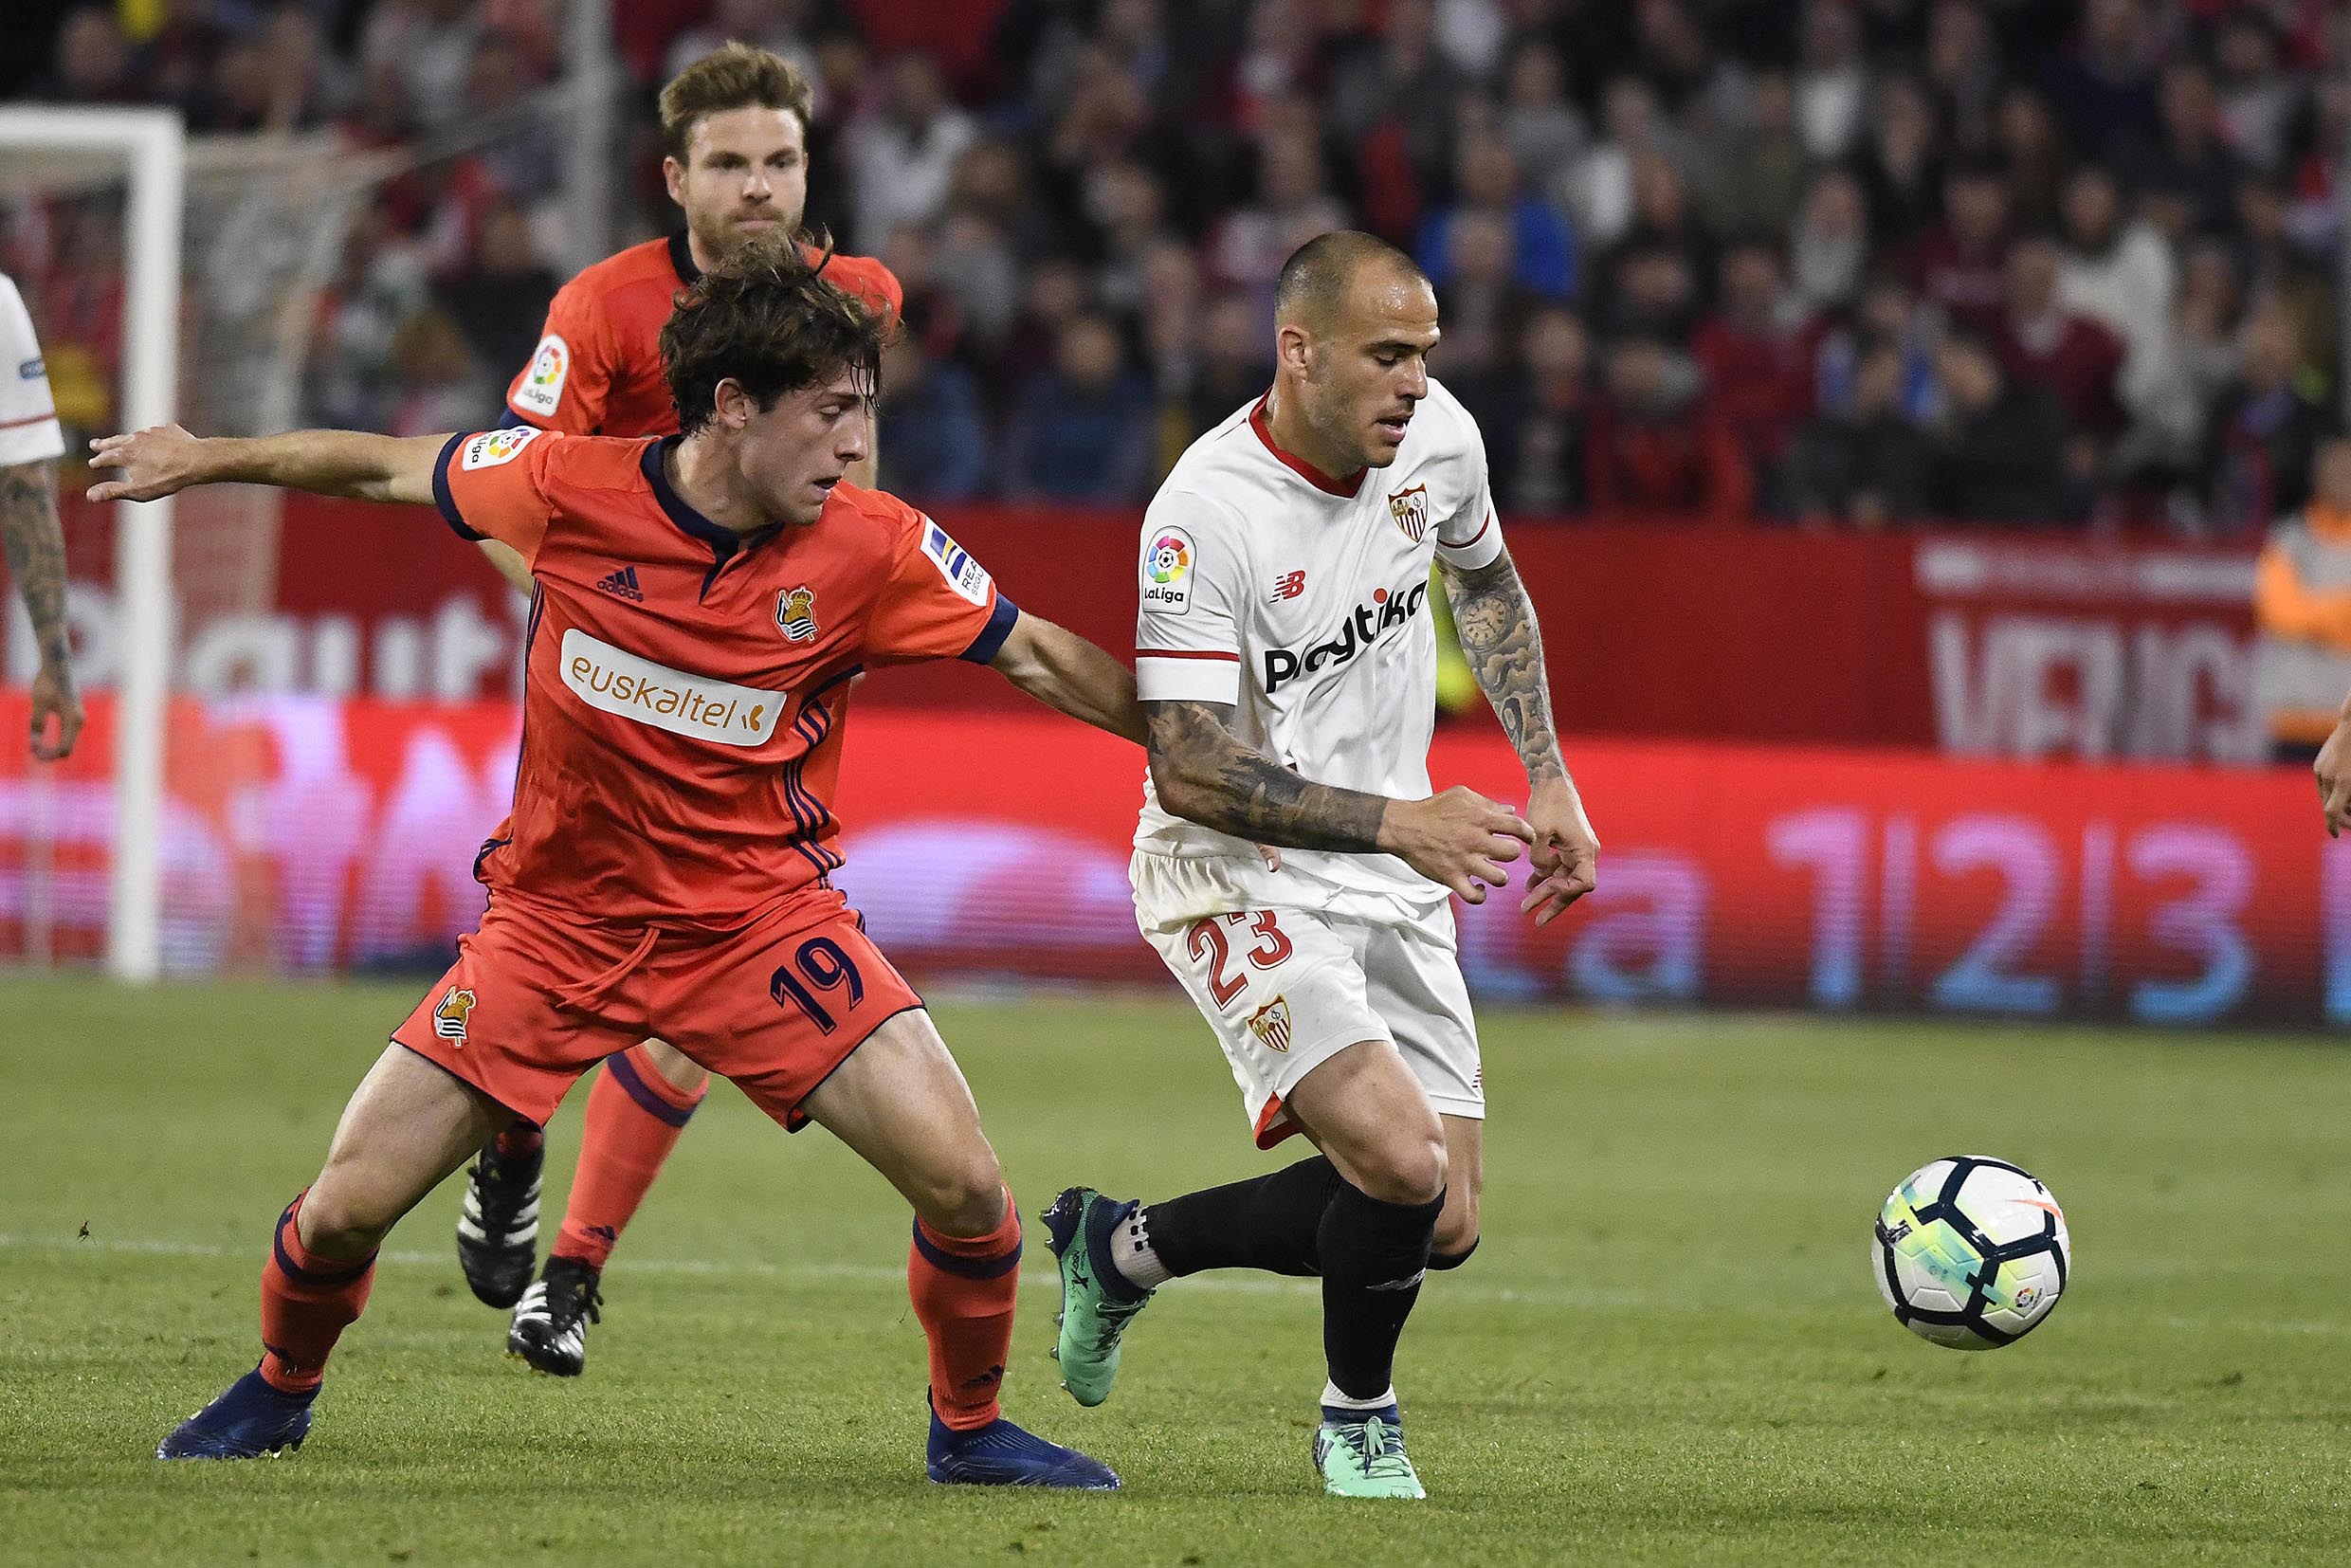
x: 1971, y: 1252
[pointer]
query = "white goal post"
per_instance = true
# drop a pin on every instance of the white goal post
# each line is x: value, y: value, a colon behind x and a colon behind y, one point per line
x: 150, y: 146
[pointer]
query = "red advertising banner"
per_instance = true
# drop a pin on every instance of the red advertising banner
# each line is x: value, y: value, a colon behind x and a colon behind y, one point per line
x: 311, y: 834
x: 1978, y: 644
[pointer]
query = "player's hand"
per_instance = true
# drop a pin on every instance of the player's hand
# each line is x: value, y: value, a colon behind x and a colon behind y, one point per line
x: 54, y: 698
x: 156, y: 462
x: 1271, y: 856
x: 1566, y: 855
x: 1458, y: 838
x: 2334, y: 774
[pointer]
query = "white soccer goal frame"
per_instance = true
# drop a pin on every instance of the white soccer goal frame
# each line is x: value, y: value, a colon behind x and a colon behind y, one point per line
x: 152, y: 145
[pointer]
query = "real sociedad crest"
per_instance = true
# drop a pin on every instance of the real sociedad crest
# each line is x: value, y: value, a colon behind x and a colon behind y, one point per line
x: 1411, y: 510
x: 795, y: 611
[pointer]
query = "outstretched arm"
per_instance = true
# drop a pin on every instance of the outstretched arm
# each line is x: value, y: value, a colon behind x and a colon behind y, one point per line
x: 1065, y: 672
x: 166, y: 460
x: 35, y: 547
x: 1205, y: 774
x: 1495, y: 620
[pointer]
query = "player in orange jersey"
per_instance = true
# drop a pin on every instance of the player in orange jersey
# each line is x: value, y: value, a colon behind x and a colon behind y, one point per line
x: 703, y: 602
x: 735, y: 125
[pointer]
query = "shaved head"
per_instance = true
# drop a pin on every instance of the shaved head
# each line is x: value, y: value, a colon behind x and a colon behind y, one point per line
x: 1318, y: 275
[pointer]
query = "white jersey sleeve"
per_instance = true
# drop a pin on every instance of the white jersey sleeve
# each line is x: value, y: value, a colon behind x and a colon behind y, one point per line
x: 1471, y: 537
x: 29, y: 427
x: 1190, y: 602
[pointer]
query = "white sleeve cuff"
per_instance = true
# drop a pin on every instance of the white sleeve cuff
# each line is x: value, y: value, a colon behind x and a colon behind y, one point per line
x: 1164, y: 676
x: 31, y: 440
x: 1478, y: 550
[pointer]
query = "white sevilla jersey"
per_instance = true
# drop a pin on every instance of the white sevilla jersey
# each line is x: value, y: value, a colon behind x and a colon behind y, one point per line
x: 1304, y: 606
x: 29, y: 427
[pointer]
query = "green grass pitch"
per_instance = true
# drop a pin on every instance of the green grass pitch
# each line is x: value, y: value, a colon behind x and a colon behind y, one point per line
x: 1668, y: 1349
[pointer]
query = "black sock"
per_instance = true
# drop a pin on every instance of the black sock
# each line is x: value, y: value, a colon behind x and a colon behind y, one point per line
x: 1373, y: 1254
x: 1267, y: 1222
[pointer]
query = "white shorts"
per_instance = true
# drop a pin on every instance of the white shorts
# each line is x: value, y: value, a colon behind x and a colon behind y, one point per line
x: 1287, y: 987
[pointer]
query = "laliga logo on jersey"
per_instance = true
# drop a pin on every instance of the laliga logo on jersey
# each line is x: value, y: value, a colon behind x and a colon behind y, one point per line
x: 795, y: 611
x: 1355, y: 634
x: 1168, y: 565
x: 492, y: 448
x: 449, y: 1019
x: 1411, y: 510
x: 543, y: 385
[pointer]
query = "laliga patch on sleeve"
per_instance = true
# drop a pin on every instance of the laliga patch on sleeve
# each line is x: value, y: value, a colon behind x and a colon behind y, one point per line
x: 954, y: 563
x: 1167, y: 572
x: 542, y: 384
x: 492, y: 448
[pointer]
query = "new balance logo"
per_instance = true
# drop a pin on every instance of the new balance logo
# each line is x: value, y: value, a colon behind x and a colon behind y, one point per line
x: 623, y: 583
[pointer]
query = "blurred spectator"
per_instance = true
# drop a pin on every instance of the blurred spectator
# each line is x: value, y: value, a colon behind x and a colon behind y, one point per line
x: 2103, y: 86
x: 1083, y: 432
x: 499, y: 299
x: 1756, y: 353
x: 1541, y: 253
x: 2118, y: 274
x: 1758, y: 184
x: 1652, y: 292
x: 1957, y: 266
x: 1235, y: 363
x: 2033, y: 147
x: 1963, y: 69
x: 2044, y: 344
x: 2187, y: 157
x: 1832, y: 84
x: 92, y: 62
x: 1293, y: 205
x: 1544, y: 129
x: 1654, y: 448
x: 1888, y: 315
x: 1866, y: 464
x: 1538, y: 441
x: 1999, y: 452
x: 1054, y: 293
x: 1900, y: 169
x: 2172, y: 402
x: 2301, y: 600
x: 2265, y: 425
x: 1829, y: 247
x: 1404, y: 82
x: 1599, y: 191
x: 2257, y: 99
x: 903, y: 150
x: 437, y: 384
x: 1483, y: 306
x: 937, y: 443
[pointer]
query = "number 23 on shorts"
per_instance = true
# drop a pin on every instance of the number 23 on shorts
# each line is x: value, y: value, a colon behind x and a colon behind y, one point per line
x: 1205, y: 939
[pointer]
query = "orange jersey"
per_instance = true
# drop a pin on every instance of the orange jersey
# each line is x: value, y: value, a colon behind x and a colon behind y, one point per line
x: 598, y: 370
x: 684, y: 687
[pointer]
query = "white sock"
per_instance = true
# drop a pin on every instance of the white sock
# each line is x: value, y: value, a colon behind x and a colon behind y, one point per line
x: 1337, y: 1400
x: 1132, y: 1256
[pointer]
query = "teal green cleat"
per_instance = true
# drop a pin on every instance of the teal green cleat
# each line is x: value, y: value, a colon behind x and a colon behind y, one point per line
x: 1096, y: 1301
x: 1361, y: 1454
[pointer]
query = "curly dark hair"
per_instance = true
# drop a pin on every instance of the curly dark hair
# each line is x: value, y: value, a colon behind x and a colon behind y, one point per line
x: 766, y: 319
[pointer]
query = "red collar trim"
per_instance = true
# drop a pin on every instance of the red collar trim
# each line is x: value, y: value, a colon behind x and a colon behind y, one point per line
x: 1298, y: 465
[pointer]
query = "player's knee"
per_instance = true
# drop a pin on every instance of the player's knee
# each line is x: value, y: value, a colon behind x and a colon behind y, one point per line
x: 1405, y: 1169
x: 337, y: 1223
x: 966, y: 1199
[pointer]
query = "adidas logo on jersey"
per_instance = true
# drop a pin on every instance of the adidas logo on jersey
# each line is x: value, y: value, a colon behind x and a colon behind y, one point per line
x: 1355, y: 634
x: 624, y: 584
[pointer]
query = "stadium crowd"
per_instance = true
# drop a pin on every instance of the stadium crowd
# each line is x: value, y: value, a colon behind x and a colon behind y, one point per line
x: 1868, y: 261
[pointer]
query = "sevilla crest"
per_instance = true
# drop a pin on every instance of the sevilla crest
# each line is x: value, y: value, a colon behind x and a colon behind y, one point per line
x: 1411, y: 510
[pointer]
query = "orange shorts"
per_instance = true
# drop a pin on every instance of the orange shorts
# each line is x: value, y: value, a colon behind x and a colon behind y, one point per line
x: 534, y: 1001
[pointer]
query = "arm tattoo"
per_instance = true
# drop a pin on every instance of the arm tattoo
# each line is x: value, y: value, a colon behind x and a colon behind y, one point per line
x: 1495, y: 621
x: 35, y: 546
x: 1204, y: 772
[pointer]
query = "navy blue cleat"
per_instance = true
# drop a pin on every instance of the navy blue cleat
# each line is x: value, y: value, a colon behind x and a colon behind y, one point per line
x: 1001, y: 1454
x: 251, y: 1421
